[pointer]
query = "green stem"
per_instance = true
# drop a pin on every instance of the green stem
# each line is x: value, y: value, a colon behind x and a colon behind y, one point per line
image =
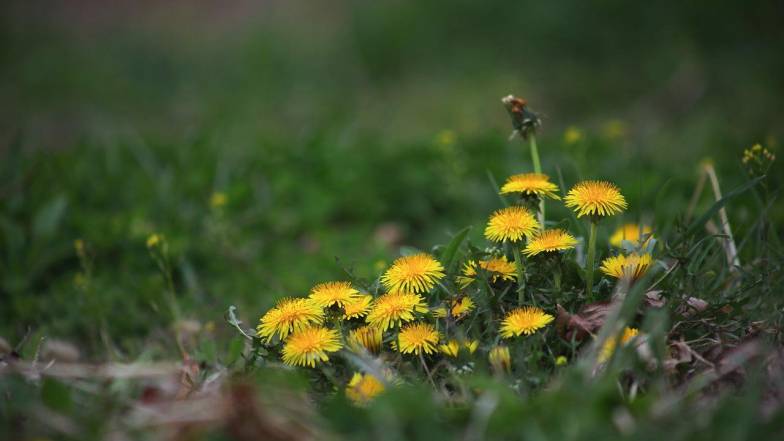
x: 589, y: 262
x: 537, y: 169
x: 520, y: 275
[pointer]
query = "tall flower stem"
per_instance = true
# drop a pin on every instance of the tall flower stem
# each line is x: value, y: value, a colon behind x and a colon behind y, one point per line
x: 589, y: 262
x: 520, y: 275
x: 537, y: 169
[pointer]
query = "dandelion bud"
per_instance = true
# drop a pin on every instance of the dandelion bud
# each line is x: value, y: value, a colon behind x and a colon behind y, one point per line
x: 500, y: 359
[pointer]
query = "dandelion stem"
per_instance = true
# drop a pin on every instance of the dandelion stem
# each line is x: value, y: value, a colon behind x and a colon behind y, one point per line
x: 589, y: 262
x: 427, y: 371
x: 520, y: 275
x: 537, y: 169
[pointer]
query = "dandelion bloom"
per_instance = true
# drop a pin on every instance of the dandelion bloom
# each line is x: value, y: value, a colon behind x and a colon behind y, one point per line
x: 500, y: 359
x: 363, y: 387
x: 333, y: 293
x: 392, y: 309
x: 632, y: 233
x: 531, y: 184
x: 549, y: 241
x: 608, y: 348
x: 525, y: 320
x: 287, y: 316
x: 511, y: 224
x: 450, y: 348
x: 357, y: 307
x: 417, y: 338
x: 471, y: 345
x: 561, y: 360
x: 498, y: 267
x: 413, y: 274
x: 595, y: 198
x: 365, y: 338
x: 630, y: 267
x: 458, y: 308
x: 309, y: 346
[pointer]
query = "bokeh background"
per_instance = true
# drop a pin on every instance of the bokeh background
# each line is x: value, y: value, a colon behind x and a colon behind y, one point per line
x: 277, y: 144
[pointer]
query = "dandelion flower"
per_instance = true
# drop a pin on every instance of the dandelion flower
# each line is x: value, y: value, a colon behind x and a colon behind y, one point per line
x: 471, y: 345
x: 392, y: 309
x: 498, y: 267
x: 573, y: 135
x: 561, y: 360
x: 511, y: 224
x: 550, y: 241
x: 357, y: 307
x: 500, y: 359
x: 595, y: 198
x: 631, y: 233
x: 287, y: 316
x: 608, y: 348
x: 531, y: 184
x: 630, y: 267
x: 413, y: 274
x: 458, y: 307
x: 365, y: 338
x: 333, y: 293
x: 525, y: 320
x: 450, y: 348
x: 363, y: 388
x: 417, y: 338
x: 309, y: 346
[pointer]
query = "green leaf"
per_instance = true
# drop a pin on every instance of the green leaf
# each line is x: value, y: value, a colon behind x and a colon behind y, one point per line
x: 697, y: 224
x: 56, y: 395
x: 449, y: 253
x: 48, y: 217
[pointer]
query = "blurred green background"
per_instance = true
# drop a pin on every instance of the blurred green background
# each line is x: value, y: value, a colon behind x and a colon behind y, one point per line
x: 277, y: 144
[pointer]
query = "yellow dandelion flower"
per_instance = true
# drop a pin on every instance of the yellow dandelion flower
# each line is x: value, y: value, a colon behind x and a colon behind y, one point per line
x: 549, y: 241
x: 365, y: 338
x: 154, y: 240
x: 561, y: 360
x: 595, y: 198
x: 573, y: 135
x: 531, y: 184
x: 450, y: 348
x: 413, y: 274
x: 630, y: 267
x: 333, y: 293
x: 459, y: 308
x: 417, y: 338
x: 218, y: 199
x: 310, y: 346
x: 500, y: 359
x: 498, y: 267
x: 631, y: 233
x: 357, y: 307
x: 471, y: 345
x: 363, y: 388
x: 392, y: 309
x: 511, y: 224
x: 525, y: 320
x: 287, y: 316
x: 608, y: 348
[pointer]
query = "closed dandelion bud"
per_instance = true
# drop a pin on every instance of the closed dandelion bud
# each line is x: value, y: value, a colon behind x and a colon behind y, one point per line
x: 451, y: 348
x: 500, y: 359
x: 366, y: 338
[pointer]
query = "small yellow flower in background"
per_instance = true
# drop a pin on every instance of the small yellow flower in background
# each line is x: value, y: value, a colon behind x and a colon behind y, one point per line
x: 531, y: 184
x: 614, y: 129
x: 500, y: 359
x: 511, y: 224
x: 758, y: 160
x: 363, y: 388
x: 550, y: 241
x: 596, y: 198
x: 357, y: 307
x: 499, y: 268
x: 309, y: 346
x: 561, y: 360
x: 459, y: 308
x: 79, y: 247
x: 287, y: 316
x: 366, y: 338
x: 450, y: 348
x: 630, y: 267
x: 390, y: 310
x: 218, y: 199
x: 155, y: 239
x: 573, y: 135
x: 631, y: 233
x: 413, y: 274
x: 445, y: 138
x: 333, y: 293
x: 471, y: 345
x: 417, y: 338
x: 608, y: 348
x: 525, y: 320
